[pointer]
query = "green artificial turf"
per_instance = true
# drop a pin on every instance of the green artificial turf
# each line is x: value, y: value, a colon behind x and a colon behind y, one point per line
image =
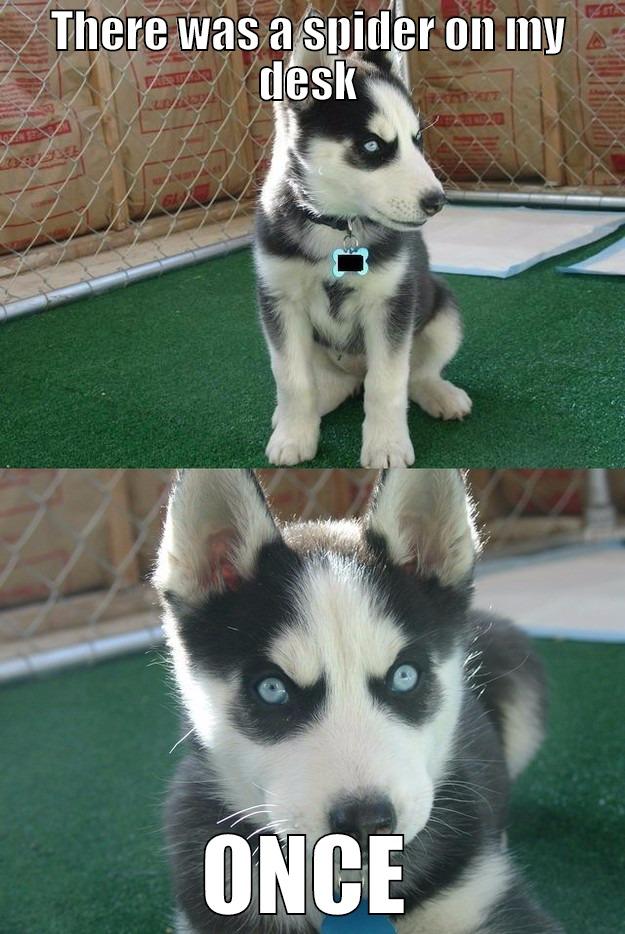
x: 85, y: 758
x: 173, y: 371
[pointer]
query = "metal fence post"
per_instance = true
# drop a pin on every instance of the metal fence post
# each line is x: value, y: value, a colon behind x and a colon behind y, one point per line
x: 600, y: 513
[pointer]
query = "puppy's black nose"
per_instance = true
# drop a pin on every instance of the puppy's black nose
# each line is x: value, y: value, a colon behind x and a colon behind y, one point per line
x: 432, y: 202
x: 361, y: 817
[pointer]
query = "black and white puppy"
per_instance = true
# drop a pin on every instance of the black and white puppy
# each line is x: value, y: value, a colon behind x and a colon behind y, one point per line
x: 335, y: 679
x: 358, y: 162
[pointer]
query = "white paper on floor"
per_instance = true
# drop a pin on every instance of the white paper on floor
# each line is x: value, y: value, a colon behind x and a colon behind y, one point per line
x: 503, y: 241
x: 609, y: 262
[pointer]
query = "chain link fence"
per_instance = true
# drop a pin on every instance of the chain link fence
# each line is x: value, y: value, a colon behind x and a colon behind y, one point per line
x: 114, y: 166
x: 77, y: 546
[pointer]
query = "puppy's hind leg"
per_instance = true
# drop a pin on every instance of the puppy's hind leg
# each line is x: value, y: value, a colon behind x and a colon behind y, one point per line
x: 432, y: 349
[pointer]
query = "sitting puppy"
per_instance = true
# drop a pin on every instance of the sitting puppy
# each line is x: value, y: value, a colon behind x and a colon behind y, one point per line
x: 348, y: 173
x: 336, y: 679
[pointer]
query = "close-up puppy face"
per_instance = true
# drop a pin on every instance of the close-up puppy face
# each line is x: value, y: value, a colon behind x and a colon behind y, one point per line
x: 322, y: 664
x: 364, y: 157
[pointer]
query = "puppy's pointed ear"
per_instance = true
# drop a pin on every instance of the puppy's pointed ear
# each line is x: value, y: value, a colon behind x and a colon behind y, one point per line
x: 309, y: 58
x: 425, y: 518
x: 217, y: 522
x: 383, y: 60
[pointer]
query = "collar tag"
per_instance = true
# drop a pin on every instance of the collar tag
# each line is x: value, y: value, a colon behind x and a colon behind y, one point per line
x: 353, y: 259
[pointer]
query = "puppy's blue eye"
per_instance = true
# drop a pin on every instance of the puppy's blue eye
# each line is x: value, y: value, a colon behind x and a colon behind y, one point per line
x: 371, y: 145
x: 404, y: 678
x: 272, y: 691
x: 418, y: 138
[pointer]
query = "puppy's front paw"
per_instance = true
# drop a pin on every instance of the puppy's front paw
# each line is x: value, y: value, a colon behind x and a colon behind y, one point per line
x: 293, y: 442
x: 385, y: 447
x: 440, y: 398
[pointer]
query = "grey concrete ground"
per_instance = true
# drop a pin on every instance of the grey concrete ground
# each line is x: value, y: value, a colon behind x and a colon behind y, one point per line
x: 576, y: 593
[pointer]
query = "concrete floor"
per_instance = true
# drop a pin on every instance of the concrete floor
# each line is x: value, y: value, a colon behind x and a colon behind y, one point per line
x: 575, y: 593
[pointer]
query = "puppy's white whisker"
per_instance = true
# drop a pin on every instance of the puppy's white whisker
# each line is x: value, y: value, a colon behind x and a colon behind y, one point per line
x: 181, y: 740
x: 430, y: 124
x: 252, y: 807
x: 245, y: 817
x: 268, y: 826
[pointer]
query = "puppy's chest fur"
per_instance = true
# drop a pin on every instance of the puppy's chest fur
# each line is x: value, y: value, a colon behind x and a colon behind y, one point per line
x: 337, y: 308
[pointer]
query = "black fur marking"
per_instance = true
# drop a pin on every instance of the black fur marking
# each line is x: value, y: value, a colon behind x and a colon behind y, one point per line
x: 415, y: 706
x: 401, y: 312
x: 275, y: 235
x: 272, y: 723
x: 505, y: 665
x: 468, y: 816
x: 355, y: 345
x: 336, y: 292
x: 426, y: 609
x: 442, y: 295
x: 336, y: 119
x: 233, y: 627
x: 230, y: 634
x: 380, y: 58
x: 270, y: 316
x: 516, y: 913
x: 369, y: 161
x: 385, y: 246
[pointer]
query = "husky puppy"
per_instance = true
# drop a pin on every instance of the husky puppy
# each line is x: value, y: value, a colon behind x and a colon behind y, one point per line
x: 341, y: 166
x: 336, y: 679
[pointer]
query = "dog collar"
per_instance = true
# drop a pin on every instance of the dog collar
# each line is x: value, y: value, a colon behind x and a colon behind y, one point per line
x: 344, y: 224
x: 336, y: 223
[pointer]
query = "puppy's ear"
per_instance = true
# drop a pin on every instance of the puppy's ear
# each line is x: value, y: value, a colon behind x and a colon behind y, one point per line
x: 309, y: 58
x: 383, y: 60
x: 425, y: 518
x: 217, y: 522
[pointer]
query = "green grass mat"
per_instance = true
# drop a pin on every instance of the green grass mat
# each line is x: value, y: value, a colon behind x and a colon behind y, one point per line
x: 173, y: 371
x: 85, y: 758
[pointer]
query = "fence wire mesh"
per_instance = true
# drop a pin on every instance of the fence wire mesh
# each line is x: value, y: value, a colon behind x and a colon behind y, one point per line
x: 77, y: 546
x: 113, y: 160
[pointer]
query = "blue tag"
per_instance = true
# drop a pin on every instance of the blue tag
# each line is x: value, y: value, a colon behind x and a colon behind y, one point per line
x: 353, y: 259
x: 359, y: 922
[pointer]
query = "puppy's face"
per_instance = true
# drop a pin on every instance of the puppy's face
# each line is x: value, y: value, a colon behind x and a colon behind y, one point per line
x: 364, y: 158
x: 322, y: 664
